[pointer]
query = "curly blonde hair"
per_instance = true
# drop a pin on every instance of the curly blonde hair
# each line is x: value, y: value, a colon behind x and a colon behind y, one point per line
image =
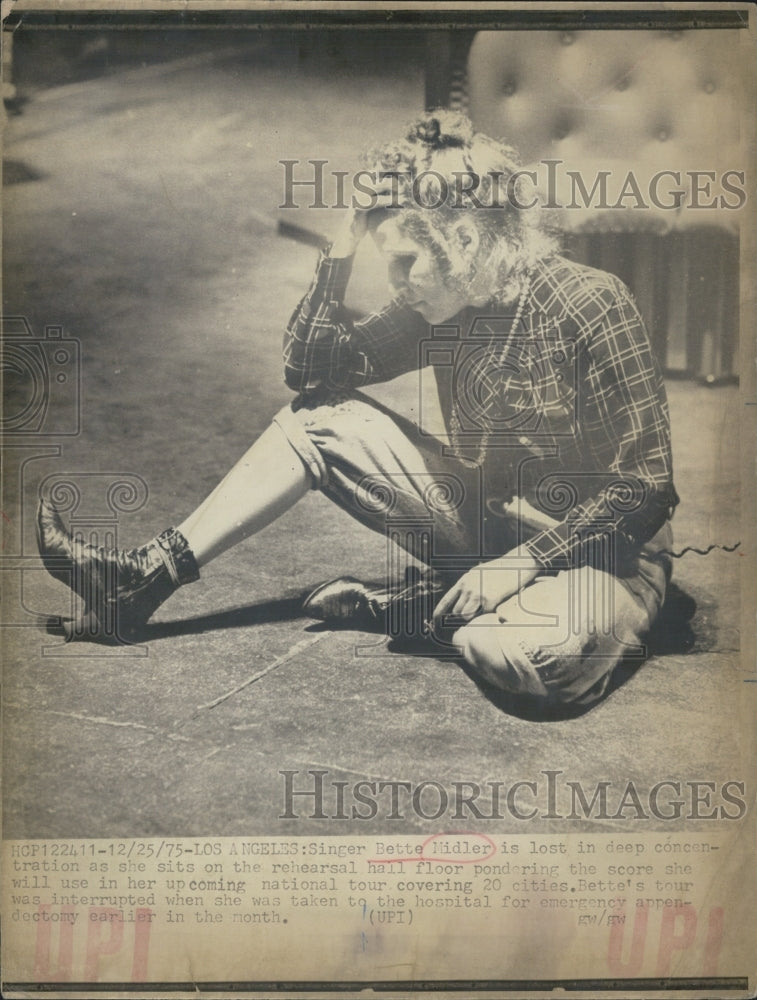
x: 447, y: 168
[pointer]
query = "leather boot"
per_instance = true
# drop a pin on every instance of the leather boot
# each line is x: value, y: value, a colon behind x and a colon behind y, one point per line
x: 400, y: 608
x: 119, y: 590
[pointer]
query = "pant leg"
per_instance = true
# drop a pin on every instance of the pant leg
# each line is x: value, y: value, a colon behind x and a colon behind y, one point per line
x: 560, y: 639
x: 380, y: 469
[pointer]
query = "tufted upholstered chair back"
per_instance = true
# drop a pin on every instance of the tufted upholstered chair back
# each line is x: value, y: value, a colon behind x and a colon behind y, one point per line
x: 641, y: 102
x: 653, y: 100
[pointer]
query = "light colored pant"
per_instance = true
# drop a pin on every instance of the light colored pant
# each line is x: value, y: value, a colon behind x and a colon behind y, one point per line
x: 561, y: 637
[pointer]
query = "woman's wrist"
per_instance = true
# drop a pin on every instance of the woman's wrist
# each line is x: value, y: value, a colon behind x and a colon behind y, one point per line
x: 526, y: 557
x: 519, y: 558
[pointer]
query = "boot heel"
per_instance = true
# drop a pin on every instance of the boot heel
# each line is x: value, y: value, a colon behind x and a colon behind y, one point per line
x: 85, y: 626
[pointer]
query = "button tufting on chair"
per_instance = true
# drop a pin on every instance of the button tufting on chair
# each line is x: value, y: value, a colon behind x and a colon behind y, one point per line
x: 649, y: 103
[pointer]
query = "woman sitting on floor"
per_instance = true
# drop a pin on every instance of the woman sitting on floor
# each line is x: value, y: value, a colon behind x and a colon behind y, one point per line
x: 544, y: 521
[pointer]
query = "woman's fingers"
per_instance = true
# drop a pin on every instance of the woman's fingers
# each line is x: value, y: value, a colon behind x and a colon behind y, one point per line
x: 384, y: 193
x: 447, y: 605
x: 470, y: 609
x: 446, y: 602
x: 386, y: 199
x: 372, y: 202
x: 467, y: 605
x: 482, y: 590
x: 461, y: 601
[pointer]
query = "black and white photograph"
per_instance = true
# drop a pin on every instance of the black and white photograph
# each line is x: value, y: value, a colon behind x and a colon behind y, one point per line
x: 378, y: 461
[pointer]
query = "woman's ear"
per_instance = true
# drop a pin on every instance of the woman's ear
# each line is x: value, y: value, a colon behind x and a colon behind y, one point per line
x: 466, y: 239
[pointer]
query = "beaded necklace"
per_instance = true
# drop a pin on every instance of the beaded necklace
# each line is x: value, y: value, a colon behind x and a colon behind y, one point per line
x: 456, y: 429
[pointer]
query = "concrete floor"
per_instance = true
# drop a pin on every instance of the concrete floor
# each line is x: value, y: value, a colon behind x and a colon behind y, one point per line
x: 143, y: 222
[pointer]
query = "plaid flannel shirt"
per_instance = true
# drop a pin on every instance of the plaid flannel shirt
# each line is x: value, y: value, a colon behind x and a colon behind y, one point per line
x: 569, y: 408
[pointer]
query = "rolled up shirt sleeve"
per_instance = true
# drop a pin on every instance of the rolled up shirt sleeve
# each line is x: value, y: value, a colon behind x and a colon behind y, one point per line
x: 324, y: 348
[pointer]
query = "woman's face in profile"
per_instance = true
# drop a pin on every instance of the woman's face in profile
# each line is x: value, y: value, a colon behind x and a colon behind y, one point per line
x: 415, y: 277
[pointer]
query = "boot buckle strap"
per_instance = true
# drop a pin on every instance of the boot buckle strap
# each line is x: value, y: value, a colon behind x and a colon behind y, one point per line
x: 177, y: 557
x: 166, y: 555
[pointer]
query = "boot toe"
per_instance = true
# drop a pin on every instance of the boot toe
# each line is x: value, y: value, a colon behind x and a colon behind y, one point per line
x: 342, y: 600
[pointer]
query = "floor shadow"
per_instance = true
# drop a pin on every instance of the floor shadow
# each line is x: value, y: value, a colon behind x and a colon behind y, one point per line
x: 673, y: 630
x: 282, y: 609
x: 525, y: 707
x: 672, y: 633
x: 17, y: 172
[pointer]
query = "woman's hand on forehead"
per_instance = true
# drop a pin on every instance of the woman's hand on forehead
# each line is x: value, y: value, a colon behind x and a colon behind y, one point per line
x: 372, y: 203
